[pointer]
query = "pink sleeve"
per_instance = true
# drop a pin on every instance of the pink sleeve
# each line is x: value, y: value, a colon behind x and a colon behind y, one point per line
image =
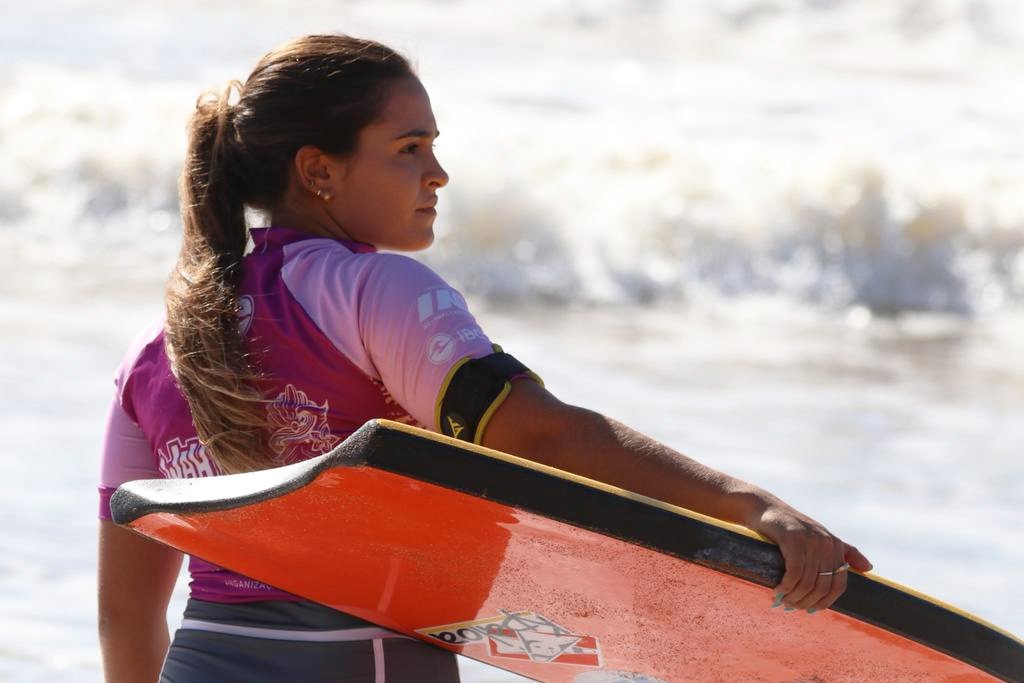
x: 390, y: 315
x: 126, y: 455
x: 416, y: 329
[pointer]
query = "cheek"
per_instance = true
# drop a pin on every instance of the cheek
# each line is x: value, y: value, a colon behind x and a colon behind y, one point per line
x: 380, y: 197
x: 401, y: 174
x: 393, y: 184
x: 363, y: 196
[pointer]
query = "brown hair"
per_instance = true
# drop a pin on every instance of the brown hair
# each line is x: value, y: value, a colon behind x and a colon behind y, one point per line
x: 319, y: 90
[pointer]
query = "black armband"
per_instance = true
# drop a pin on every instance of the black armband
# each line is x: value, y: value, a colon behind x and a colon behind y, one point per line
x: 475, y: 389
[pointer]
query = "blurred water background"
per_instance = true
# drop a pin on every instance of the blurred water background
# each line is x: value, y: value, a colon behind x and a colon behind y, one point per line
x: 784, y: 236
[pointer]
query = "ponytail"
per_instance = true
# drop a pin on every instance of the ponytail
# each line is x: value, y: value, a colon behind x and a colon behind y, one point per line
x: 203, y: 341
x: 319, y: 90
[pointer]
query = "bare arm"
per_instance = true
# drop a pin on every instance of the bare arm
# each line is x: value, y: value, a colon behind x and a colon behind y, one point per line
x: 136, y: 577
x: 532, y: 423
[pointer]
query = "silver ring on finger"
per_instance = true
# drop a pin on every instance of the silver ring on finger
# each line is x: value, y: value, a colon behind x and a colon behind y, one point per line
x: 840, y: 570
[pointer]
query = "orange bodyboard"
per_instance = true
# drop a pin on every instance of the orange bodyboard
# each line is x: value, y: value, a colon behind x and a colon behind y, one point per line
x: 551, y: 576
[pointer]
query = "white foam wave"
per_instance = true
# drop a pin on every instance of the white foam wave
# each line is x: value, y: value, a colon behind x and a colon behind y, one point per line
x: 829, y: 153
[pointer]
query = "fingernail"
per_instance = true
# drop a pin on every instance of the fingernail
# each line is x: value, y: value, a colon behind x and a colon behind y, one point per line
x: 778, y: 599
x: 811, y: 611
x: 790, y: 609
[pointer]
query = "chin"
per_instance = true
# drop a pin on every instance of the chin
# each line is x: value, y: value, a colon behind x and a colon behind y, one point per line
x: 412, y: 243
x: 421, y: 242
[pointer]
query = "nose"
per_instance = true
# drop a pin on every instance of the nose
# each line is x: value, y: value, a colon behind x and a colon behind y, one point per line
x: 436, y: 177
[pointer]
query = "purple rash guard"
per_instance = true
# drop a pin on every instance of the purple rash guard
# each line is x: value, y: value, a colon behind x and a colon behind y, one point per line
x: 344, y: 335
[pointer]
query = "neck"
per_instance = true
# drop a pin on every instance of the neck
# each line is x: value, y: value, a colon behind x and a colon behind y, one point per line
x: 313, y: 220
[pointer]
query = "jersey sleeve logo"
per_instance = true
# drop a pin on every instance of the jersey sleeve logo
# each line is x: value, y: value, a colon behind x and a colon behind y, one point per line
x: 440, y: 348
x: 439, y: 303
x: 298, y: 427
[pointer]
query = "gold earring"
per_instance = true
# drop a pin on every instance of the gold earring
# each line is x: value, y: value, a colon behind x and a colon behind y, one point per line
x: 322, y: 194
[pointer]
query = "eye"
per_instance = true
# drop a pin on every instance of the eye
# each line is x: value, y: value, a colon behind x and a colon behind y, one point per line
x: 413, y: 147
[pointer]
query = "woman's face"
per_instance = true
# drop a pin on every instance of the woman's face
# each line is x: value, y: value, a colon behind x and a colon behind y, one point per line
x: 384, y: 194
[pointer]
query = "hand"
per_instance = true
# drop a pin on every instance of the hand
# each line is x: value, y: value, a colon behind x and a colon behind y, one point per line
x: 808, y: 549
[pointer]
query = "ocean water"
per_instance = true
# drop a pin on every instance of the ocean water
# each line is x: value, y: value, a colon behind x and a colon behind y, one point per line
x: 783, y: 236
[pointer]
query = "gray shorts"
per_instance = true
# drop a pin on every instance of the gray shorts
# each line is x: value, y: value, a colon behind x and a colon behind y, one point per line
x: 295, y: 641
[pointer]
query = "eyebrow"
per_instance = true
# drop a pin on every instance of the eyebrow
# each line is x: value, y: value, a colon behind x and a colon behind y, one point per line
x: 419, y: 133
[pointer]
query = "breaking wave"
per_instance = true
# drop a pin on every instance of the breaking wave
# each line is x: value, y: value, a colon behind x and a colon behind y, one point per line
x: 638, y: 175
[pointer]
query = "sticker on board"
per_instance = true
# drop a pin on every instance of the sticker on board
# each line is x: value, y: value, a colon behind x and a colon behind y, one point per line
x: 522, y: 635
x: 615, y: 677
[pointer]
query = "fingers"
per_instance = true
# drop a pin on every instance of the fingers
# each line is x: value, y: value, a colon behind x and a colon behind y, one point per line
x: 811, y: 581
x: 794, y: 572
x: 819, y: 585
x: 816, y: 561
x: 857, y: 560
x: 829, y: 586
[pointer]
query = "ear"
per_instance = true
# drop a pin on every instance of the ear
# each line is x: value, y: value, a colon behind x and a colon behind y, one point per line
x: 312, y: 168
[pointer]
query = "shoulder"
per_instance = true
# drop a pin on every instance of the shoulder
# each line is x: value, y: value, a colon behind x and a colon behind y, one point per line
x: 332, y: 253
x: 145, y: 347
x: 324, y: 267
x: 398, y: 271
x: 145, y: 354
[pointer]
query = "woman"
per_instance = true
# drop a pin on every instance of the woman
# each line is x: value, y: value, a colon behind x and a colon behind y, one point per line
x: 277, y: 355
